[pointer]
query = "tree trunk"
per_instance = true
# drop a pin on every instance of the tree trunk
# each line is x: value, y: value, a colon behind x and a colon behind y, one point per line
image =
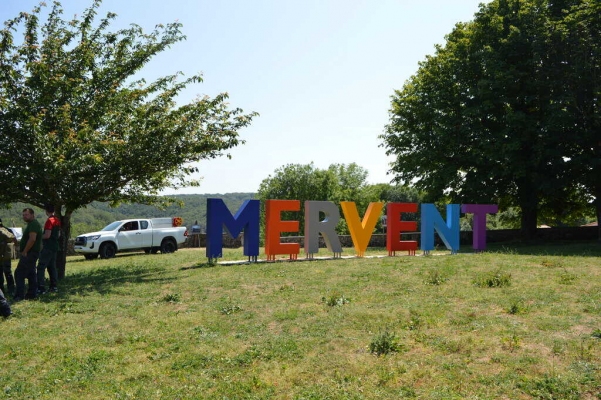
x: 597, y: 204
x: 528, y: 201
x: 61, y: 257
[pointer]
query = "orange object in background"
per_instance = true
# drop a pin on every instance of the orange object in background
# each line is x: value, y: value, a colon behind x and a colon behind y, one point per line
x: 177, y: 221
x: 361, y: 230
x: 274, y: 226
x: 396, y: 226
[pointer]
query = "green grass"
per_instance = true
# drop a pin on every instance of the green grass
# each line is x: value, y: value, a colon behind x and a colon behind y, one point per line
x: 514, y: 322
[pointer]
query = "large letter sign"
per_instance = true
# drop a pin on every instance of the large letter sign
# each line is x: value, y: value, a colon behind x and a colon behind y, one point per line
x: 479, y: 229
x: 396, y: 227
x: 361, y: 231
x: 274, y: 226
x: 327, y: 227
x: 449, y: 232
x: 246, y: 218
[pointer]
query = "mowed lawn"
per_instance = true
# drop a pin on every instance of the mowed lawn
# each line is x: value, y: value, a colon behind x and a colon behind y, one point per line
x: 515, y: 322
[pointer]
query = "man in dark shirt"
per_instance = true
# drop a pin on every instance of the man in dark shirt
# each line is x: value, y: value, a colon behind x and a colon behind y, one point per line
x: 30, y: 246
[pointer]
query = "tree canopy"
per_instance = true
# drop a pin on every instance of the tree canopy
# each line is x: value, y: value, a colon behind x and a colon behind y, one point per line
x: 492, y: 116
x: 339, y: 182
x: 79, y: 125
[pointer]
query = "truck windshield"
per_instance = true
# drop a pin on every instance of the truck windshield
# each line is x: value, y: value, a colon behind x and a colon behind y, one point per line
x: 112, y: 226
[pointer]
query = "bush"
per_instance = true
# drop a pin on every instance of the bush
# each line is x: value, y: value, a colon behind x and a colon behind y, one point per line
x: 494, y: 280
x: 384, y: 343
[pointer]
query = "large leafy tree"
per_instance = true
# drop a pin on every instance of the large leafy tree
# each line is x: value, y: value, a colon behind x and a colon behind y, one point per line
x: 78, y: 125
x: 486, y: 119
x: 339, y: 182
x: 580, y: 30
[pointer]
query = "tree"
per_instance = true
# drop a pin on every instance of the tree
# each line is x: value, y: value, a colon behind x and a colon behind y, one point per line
x: 339, y: 182
x: 78, y: 126
x: 580, y: 30
x: 485, y: 118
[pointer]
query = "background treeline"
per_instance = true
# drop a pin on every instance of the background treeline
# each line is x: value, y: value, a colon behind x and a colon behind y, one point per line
x: 95, y: 216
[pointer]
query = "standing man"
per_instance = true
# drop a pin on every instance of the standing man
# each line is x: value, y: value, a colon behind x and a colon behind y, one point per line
x: 7, y: 238
x: 52, y: 232
x: 30, y: 246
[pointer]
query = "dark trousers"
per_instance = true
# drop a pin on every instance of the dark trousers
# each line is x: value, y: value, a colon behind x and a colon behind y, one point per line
x: 10, y: 281
x: 5, y: 310
x: 47, y: 262
x: 26, y: 270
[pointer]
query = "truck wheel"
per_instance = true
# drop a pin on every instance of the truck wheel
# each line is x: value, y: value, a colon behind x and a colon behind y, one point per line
x: 108, y: 250
x: 168, y: 246
x: 90, y: 256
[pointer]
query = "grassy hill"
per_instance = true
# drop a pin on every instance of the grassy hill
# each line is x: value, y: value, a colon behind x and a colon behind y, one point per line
x: 511, y: 323
x: 97, y: 215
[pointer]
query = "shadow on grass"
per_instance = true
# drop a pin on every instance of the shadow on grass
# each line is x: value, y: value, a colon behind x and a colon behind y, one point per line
x: 200, y: 265
x: 591, y: 248
x: 108, y: 278
x: 119, y: 255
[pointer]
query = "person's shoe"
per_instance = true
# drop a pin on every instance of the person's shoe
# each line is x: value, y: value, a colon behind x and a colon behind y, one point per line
x: 30, y: 296
x: 53, y: 289
x: 41, y: 290
x: 17, y: 299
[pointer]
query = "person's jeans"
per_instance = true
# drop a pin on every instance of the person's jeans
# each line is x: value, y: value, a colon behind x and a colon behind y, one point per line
x: 47, y: 261
x: 26, y: 270
x: 10, y: 281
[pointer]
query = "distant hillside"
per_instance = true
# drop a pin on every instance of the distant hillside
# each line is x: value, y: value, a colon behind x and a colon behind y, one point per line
x: 97, y: 215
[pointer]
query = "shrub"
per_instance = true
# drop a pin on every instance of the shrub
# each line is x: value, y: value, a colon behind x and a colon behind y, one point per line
x: 494, y: 280
x: 435, y: 278
x: 335, y: 300
x: 384, y: 343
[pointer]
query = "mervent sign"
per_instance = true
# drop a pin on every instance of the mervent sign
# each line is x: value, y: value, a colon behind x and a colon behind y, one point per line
x: 247, y: 218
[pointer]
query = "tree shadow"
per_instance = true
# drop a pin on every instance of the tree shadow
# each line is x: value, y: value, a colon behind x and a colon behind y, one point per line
x: 106, y: 279
x: 119, y: 255
x: 590, y: 248
x: 200, y: 265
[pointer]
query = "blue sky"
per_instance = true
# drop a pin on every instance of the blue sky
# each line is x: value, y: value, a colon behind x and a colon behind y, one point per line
x: 319, y: 72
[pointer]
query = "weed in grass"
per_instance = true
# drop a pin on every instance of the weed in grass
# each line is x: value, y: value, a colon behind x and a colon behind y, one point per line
x: 551, y: 263
x: 287, y: 288
x: 203, y: 332
x: 415, y: 321
x: 517, y: 306
x: 596, y: 333
x: 566, y: 277
x: 335, y: 300
x: 435, y: 278
x: 171, y: 298
x: 384, y: 343
x: 494, y: 279
x: 550, y: 387
x: 511, y: 343
x: 229, y: 309
x: 586, y: 349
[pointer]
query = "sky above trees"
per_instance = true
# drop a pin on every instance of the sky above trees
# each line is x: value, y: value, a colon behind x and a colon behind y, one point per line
x: 320, y: 73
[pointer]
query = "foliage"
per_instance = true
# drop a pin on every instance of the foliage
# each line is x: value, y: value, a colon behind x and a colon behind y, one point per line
x: 191, y: 207
x: 493, y: 279
x: 485, y: 119
x: 384, y: 343
x: 335, y: 300
x: 338, y: 183
x: 78, y: 125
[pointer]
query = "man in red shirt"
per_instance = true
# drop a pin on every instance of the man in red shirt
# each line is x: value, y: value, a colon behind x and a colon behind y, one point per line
x: 52, y: 229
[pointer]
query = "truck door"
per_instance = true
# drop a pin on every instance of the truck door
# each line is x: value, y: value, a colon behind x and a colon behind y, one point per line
x: 146, y: 234
x: 130, y: 236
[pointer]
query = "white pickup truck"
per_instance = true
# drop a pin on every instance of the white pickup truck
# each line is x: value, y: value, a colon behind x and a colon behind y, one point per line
x: 150, y: 235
